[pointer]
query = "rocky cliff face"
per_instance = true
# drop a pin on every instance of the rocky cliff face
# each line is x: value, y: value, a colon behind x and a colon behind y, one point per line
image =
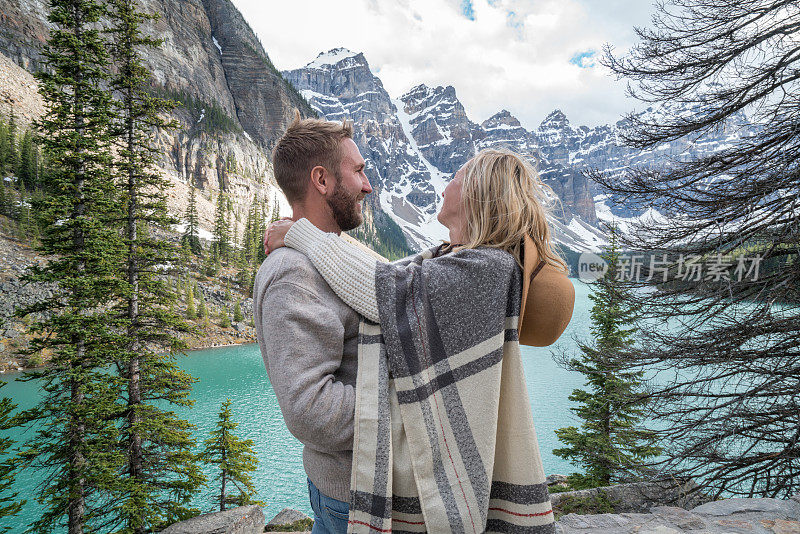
x: 235, y: 104
x: 263, y: 100
x: 503, y: 129
x: 578, y: 149
x: 209, y: 51
x: 448, y: 139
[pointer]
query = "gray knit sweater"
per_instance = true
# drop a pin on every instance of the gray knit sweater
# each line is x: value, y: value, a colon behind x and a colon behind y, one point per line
x: 309, y: 341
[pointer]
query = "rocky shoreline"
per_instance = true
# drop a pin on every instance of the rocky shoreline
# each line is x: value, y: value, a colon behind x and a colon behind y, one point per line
x: 16, y: 256
x: 726, y: 516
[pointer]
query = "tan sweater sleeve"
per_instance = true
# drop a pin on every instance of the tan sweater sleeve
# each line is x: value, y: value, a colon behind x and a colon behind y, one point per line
x: 349, y: 270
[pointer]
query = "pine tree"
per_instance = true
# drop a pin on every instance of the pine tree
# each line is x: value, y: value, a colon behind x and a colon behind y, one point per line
x: 211, y: 263
x: 224, y: 318
x: 33, y: 163
x: 3, y: 146
x: 46, y: 167
x: 247, y: 247
x: 9, y: 506
x: 237, y: 313
x: 191, y: 238
x: 10, y: 208
x: 11, y: 154
x: 235, y: 459
x: 252, y: 281
x: 253, y: 250
x: 276, y: 215
x: 75, y: 434
x: 234, y: 226
x: 25, y: 224
x: 276, y: 208
x: 156, y: 442
x: 191, y: 312
x: 28, y: 166
x: 259, y: 225
x: 609, y: 446
x: 3, y: 196
x: 202, y: 310
x: 221, y: 241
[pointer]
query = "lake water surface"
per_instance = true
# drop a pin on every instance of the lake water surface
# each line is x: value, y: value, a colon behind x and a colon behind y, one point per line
x: 238, y: 374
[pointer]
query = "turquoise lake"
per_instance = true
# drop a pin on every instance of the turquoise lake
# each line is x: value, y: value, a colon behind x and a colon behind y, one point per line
x: 238, y: 374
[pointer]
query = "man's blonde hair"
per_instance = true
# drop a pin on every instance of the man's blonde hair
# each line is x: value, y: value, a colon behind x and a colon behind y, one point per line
x: 306, y: 144
x: 504, y: 199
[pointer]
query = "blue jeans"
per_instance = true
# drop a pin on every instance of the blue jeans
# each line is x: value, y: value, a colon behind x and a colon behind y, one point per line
x: 330, y: 515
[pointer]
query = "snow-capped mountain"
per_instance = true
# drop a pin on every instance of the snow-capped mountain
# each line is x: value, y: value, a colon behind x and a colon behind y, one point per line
x: 339, y: 84
x: 504, y: 129
x: 440, y: 126
x: 414, y: 145
x: 582, y: 148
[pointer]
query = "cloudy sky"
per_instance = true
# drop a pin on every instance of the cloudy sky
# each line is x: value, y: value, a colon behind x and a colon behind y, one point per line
x: 527, y: 56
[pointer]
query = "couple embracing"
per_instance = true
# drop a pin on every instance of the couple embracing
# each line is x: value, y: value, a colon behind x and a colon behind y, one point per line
x: 404, y: 380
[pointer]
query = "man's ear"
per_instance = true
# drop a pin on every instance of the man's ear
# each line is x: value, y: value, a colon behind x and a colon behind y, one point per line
x: 320, y: 179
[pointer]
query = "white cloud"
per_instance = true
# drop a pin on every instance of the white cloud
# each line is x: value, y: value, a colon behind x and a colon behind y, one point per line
x: 515, y: 54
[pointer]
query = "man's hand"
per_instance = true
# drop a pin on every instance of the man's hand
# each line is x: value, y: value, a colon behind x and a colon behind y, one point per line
x: 274, y: 234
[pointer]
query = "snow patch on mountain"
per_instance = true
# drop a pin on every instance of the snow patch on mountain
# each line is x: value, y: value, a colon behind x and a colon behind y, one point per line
x: 625, y: 224
x: 428, y: 231
x: 331, y: 57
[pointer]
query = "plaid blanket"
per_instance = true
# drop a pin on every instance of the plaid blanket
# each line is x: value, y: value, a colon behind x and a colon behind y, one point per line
x: 444, y: 438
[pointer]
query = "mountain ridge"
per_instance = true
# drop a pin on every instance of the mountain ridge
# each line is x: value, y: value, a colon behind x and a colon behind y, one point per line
x: 414, y: 163
x: 439, y: 134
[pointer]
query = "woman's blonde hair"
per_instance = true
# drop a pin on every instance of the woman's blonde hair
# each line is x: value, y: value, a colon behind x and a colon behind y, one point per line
x: 504, y: 199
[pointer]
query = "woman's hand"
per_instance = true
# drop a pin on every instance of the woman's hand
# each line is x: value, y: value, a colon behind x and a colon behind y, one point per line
x: 273, y: 236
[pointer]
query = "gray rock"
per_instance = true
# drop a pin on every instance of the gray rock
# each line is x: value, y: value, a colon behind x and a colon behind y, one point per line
x: 287, y: 516
x: 638, y: 496
x: 240, y: 520
x: 789, y: 509
x: 679, y: 517
x: 575, y: 521
x: 729, y: 516
x: 659, y: 529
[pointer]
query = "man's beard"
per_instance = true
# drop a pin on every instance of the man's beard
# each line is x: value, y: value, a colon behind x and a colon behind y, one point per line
x: 345, y: 208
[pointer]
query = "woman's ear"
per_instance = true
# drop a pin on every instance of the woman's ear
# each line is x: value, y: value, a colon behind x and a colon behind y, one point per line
x: 320, y: 179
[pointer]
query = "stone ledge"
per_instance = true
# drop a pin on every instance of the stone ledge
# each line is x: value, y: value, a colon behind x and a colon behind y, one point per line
x: 728, y: 516
x: 287, y: 517
x: 638, y: 497
x: 239, y: 520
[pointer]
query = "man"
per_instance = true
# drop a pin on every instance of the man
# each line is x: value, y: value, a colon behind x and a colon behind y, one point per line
x: 308, y: 336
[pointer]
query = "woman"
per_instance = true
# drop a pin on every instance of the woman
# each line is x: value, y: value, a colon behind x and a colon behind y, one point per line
x: 444, y: 438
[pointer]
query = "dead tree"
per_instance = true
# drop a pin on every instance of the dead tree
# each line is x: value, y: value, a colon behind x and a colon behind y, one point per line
x: 721, y: 320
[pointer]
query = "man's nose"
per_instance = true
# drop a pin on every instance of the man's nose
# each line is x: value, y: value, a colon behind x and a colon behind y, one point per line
x: 366, y: 188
